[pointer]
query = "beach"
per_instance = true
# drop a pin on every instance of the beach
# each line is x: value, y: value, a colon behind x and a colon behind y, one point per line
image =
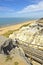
x: 5, y: 29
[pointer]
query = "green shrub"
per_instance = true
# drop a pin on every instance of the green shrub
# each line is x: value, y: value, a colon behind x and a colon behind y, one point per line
x: 16, y: 63
x: 8, y: 58
x: 11, y: 31
x: 8, y: 33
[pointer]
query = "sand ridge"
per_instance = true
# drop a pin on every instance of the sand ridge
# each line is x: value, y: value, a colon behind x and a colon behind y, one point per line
x: 3, y: 30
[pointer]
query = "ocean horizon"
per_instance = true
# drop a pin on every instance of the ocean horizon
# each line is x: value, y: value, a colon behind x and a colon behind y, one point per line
x: 13, y: 21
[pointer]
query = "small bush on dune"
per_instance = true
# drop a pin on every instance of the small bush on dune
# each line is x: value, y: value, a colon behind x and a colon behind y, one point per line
x: 16, y: 63
x: 8, y: 33
x: 8, y: 58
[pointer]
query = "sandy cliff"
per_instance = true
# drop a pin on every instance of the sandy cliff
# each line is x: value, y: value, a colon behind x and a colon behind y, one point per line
x: 31, y: 34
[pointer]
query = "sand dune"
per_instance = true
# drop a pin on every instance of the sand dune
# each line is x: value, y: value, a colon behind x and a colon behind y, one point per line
x: 13, y: 27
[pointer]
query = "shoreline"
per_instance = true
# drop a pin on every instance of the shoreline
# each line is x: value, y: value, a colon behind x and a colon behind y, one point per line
x: 1, y: 26
x: 5, y: 29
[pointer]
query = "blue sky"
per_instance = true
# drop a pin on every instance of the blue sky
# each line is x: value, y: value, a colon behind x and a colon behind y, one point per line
x: 21, y: 8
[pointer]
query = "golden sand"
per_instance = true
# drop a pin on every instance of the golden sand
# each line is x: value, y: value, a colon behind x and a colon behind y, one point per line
x: 3, y: 30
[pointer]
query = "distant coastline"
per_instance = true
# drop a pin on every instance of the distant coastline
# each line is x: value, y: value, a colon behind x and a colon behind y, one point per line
x: 5, y: 29
x: 13, y: 21
x: 13, y: 25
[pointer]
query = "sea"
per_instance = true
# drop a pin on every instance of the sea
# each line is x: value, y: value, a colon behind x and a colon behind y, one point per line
x: 12, y: 21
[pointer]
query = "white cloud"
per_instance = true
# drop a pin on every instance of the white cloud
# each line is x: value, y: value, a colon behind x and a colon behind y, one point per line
x: 28, y: 11
x: 30, y: 8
